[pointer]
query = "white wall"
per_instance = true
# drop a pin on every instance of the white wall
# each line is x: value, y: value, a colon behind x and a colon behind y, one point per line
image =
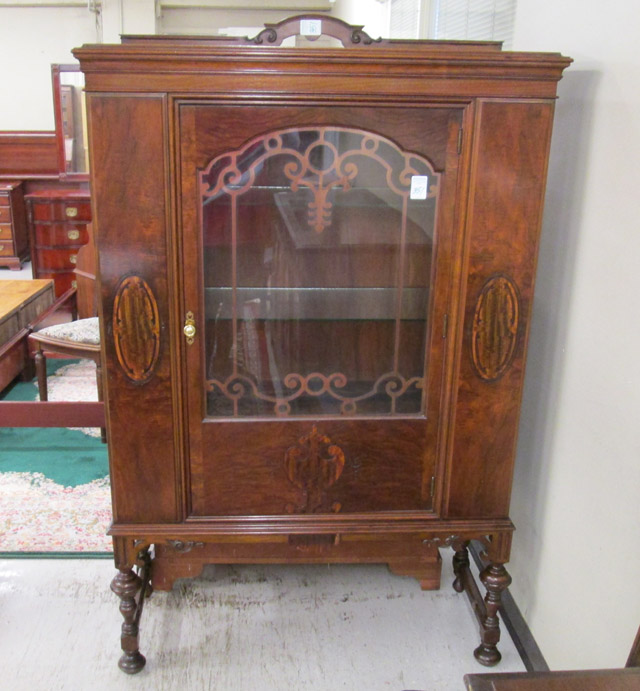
x: 372, y: 14
x: 178, y: 20
x: 31, y: 39
x: 576, y: 500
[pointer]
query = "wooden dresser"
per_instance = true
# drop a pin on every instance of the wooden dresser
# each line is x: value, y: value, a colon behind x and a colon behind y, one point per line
x: 14, y: 243
x: 58, y: 225
x: 317, y: 271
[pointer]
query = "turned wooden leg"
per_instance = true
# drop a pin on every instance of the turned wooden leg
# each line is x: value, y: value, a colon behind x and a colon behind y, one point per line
x: 495, y: 579
x: 126, y: 585
x: 103, y: 431
x: 29, y: 370
x: 460, y: 563
x: 41, y: 372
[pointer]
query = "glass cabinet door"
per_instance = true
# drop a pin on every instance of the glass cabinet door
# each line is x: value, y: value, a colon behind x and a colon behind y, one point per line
x: 317, y: 252
x: 310, y: 254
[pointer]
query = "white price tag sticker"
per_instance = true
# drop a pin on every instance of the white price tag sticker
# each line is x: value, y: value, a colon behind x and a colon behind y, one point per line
x: 419, y: 186
x: 311, y: 27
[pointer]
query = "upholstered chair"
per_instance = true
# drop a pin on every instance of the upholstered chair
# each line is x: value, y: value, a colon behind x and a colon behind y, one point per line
x: 78, y: 339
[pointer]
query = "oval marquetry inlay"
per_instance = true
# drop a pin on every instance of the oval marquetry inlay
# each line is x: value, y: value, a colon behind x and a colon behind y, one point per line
x: 495, y: 327
x: 136, y: 328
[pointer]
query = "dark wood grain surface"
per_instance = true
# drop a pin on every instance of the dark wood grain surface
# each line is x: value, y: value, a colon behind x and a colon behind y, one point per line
x: 267, y: 485
x: 596, y: 680
x: 28, y: 155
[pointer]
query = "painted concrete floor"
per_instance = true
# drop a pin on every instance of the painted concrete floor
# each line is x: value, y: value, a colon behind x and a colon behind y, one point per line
x: 239, y: 628
x: 25, y: 274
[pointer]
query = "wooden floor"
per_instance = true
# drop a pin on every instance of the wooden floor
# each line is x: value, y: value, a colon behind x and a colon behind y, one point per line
x: 241, y: 628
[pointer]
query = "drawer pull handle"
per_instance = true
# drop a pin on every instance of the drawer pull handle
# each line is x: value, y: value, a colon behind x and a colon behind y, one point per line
x: 74, y: 284
x: 190, y: 327
x: 73, y: 234
x: 73, y: 258
x: 71, y: 211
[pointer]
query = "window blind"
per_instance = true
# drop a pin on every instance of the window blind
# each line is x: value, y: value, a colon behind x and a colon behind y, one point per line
x: 477, y: 20
x: 404, y: 18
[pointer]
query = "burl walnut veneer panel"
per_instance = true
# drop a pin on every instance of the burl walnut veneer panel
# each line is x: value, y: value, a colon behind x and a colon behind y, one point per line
x: 508, y: 178
x: 132, y: 246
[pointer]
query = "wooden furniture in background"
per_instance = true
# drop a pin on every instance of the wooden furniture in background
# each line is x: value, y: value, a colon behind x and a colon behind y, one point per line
x: 25, y: 307
x: 58, y: 226
x: 634, y: 654
x: 69, y: 113
x: 28, y: 155
x: 14, y: 243
x: 317, y: 308
x: 588, y: 680
x: 39, y: 162
x: 21, y: 304
x: 78, y: 339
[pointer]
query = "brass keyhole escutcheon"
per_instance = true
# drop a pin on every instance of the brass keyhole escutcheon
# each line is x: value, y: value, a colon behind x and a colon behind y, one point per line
x: 190, y: 327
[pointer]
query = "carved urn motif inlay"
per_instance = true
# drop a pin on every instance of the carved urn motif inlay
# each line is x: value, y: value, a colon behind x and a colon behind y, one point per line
x: 314, y: 464
x: 495, y: 327
x: 136, y: 328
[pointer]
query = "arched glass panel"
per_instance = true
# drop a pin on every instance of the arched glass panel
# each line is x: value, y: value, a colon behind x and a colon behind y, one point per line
x: 317, y: 246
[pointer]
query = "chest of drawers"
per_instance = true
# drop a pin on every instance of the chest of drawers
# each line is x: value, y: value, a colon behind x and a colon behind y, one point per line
x: 14, y: 245
x: 58, y: 223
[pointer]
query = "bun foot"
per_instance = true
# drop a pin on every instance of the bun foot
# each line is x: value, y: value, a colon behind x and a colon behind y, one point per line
x: 487, y: 655
x: 132, y: 663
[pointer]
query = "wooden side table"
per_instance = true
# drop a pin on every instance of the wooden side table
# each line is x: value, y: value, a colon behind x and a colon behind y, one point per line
x: 21, y: 303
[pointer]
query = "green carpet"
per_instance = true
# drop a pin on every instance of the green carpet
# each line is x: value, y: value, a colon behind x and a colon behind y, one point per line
x: 68, y: 457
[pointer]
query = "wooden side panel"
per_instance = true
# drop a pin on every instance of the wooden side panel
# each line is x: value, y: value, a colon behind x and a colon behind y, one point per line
x: 509, y: 163
x: 129, y: 180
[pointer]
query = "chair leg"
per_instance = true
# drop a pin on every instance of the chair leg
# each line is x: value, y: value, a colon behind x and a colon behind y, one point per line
x: 41, y: 372
x: 103, y: 431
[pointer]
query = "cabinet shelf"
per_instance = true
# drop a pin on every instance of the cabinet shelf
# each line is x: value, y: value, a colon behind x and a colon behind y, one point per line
x: 316, y: 303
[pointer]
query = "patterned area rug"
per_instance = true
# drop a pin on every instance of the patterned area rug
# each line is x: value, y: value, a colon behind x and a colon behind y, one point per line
x: 54, y: 485
x: 40, y: 516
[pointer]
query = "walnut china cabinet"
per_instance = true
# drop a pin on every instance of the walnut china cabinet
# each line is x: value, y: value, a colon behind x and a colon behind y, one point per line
x: 316, y: 270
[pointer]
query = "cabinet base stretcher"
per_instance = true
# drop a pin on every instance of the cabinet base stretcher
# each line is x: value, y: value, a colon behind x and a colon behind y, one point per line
x: 145, y: 565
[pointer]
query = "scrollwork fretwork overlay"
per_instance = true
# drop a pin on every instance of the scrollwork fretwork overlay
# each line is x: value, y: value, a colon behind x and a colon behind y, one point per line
x: 319, y: 165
